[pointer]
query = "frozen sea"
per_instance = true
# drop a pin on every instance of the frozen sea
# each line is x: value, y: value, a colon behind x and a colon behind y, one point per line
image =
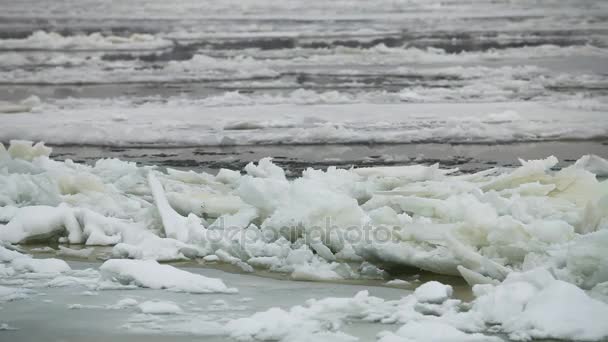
x: 405, y: 117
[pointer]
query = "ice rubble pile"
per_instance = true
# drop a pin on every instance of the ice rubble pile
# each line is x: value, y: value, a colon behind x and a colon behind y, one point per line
x: 481, y: 226
x: 526, y: 305
x: 20, y: 269
x: 20, y: 274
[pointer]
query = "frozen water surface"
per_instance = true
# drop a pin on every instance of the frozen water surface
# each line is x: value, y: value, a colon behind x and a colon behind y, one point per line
x: 394, y: 196
x: 525, y: 238
x: 94, y: 321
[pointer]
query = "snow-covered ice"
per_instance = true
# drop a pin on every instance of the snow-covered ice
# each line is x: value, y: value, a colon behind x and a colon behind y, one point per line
x: 433, y: 292
x: 149, y: 273
x: 517, y: 308
x: 39, y: 265
x: 182, y: 123
x: 433, y: 332
x: 526, y: 305
x: 529, y: 239
x: 481, y: 226
x: 250, y: 252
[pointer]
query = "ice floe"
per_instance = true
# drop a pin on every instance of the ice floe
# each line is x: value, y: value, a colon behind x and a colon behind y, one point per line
x: 179, y: 123
x: 149, y: 273
x: 159, y: 308
x: 13, y: 293
x: 39, y: 265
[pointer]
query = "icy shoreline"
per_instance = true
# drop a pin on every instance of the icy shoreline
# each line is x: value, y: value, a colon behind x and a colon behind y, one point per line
x: 299, y: 171
x: 518, y: 309
x: 487, y: 223
x: 528, y: 239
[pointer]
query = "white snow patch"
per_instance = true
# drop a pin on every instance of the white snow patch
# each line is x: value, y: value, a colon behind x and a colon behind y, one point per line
x: 433, y: 332
x: 149, y: 273
x: 398, y: 282
x: 433, y: 292
x: 50, y: 265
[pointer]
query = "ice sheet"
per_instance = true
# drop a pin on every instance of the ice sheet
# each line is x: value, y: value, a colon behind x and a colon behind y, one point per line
x: 187, y: 123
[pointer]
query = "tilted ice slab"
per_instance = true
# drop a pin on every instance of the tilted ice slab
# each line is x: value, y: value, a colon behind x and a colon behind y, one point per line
x: 149, y: 273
